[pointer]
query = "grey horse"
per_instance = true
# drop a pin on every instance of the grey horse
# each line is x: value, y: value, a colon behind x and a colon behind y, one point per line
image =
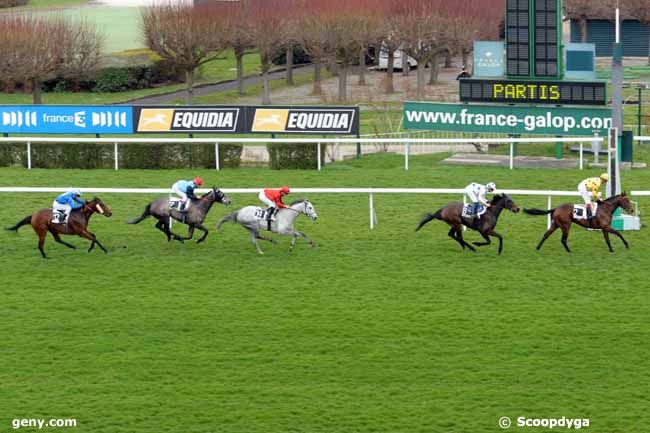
x: 283, y: 223
x: 194, y: 217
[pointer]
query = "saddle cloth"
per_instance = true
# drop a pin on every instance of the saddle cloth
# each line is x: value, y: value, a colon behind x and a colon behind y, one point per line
x: 580, y: 211
x: 175, y: 203
x: 58, y: 217
x: 467, y: 211
x: 260, y: 213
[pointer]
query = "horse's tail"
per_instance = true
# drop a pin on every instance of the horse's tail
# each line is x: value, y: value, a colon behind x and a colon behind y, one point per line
x: 429, y: 217
x: 228, y: 218
x: 24, y: 221
x: 146, y: 214
x: 538, y: 211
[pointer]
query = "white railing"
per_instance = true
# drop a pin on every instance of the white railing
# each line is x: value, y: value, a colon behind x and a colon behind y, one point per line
x: 549, y: 194
x: 407, y: 142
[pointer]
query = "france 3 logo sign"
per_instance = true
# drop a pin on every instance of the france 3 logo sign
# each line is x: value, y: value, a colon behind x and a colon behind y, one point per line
x: 208, y: 119
x: 62, y: 119
x: 331, y: 120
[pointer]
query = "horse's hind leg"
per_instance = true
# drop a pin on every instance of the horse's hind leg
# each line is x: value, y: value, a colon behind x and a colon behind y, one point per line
x: 548, y: 233
x: 452, y: 234
x: 57, y: 238
x: 254, y: 236
x: 41, y: 243
x: 459, y: 238
x: 163, y: 228
x: 565, y: 237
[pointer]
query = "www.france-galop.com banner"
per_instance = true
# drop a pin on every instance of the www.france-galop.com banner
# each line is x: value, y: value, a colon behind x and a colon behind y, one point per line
x: 507, y: 119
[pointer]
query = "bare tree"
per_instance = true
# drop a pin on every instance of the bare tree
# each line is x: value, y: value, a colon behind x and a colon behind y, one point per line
x: 36, y: 49
x: 639, y: 10
x: 240, y: 39
x: 187, y: 36
x: 313, y: 36
x: 266, y: 31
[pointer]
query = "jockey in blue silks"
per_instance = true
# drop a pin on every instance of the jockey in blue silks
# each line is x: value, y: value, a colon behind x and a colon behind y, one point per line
x: 68, y: 201
x: 185, y: 190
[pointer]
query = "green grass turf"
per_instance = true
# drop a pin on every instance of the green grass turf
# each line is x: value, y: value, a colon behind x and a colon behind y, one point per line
x: 374, y: 331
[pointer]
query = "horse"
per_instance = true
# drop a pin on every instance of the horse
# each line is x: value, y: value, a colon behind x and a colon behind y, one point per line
x: 77, y: 224
x: 194, y: 216
x: 452, y: 214
x: 283, y: 223
x: 562, y: 218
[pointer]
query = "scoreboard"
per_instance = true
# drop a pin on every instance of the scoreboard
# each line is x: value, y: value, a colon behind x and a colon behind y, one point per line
x: 533, y: 91
x: 533, y: 37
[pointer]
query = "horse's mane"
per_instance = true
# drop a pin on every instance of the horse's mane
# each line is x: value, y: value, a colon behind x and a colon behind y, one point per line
x: 298, y: 201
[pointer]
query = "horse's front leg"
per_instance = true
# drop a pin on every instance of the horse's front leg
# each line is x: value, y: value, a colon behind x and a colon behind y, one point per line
x: 609, y: 244
x: 498, y: 236
x: 93, y: 239
x: 205, y: 233
x: 488, y: 241
x: 619, y: 235
x: 295, y: 235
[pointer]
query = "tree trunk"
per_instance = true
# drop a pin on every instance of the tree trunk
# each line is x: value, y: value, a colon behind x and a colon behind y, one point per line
x: 448, y: 59
x: 465, y: 58
x: 435, y: 69
x: 405, y: 64
x: 265, y: 66
x: 390, y: 86
x: 317, y: 89
x: 362, y: 67
x: 239, y: 57
x: 36, y: 92
x: 343, y: 82
x: 420, y: 76
x: 583, y: 30
x: 189, y: 81
x: 290, y: 65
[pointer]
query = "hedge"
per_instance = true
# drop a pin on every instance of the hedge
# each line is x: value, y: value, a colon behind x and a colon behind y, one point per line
x: 294, y: 155
x: 131, y: 155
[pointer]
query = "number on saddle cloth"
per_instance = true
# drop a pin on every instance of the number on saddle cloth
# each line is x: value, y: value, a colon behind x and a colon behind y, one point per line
x: 58, y: 217
x: 468, y: 210
x: 175, y: 203
x: 260, y: 213
x: 580, y: 211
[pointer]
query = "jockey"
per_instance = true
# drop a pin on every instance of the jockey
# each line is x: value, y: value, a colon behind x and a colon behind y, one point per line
x: 590, y: 189
x: 476, y: 194
x: 68, y: 201
x: 273, y: 199
x: 185, y: 190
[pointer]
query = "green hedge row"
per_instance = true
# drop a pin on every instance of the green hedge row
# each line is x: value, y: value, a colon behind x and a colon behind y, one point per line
x: 294, y: 155
x: 131, y: 155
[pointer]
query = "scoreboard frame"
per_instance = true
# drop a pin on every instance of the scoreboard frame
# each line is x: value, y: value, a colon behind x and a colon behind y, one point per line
x: 522, y: 91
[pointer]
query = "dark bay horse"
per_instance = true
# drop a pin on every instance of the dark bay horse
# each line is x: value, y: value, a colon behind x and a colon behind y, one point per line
x: 194, y: 217
x: 452, y: 215
x: 78, y: 220
x: 562, y: 218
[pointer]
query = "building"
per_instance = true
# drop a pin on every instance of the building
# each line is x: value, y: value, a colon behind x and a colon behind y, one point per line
x: 635, y: 36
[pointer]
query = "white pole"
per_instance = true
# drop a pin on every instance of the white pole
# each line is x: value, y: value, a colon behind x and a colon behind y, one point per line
x: 216, y: 156
x: 318, y: 157
x: 372, y: 212
x: 464, y: 204
x: 581, y: 153
x: 512, y: 155
x: 618, y: 25
x: 116, y: 155
x: 29, y: 155
x: 406, y: 156
x: 549, y: 206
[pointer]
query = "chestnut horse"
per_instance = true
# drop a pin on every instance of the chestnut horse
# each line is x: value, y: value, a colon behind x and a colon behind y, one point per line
x: 562, y: 218
x: 452, y: 215
x: 77, y: 224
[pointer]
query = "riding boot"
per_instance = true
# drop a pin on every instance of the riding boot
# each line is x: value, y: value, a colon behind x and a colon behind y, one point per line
x: 270, y: 214
x: 590, y: 217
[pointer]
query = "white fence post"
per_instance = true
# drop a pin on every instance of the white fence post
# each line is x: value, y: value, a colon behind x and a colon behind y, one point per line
x: 29, y: 155
x: 217, y: 164
x: 116, y: 155
x: 318, y: 157
x: 549, y: 206
x: 406, y: 156
x: 512, y: 155
x: 581, y: 154
x: 372, y: 211
x: 464, y: 204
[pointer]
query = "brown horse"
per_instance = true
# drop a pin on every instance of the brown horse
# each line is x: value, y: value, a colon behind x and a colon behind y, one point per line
x: 562, y: 218
x: 41, y: 222
x: 452, y: 215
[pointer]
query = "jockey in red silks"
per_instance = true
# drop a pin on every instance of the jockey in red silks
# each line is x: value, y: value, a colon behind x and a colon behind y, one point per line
x: 273, y: 199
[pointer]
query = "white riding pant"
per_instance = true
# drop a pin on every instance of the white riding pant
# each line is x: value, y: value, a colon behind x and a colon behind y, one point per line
x: 264, y: 199
x: 586, y: 195
x: 62, y: 208
x: 472, y: 195
x: 179, y: 193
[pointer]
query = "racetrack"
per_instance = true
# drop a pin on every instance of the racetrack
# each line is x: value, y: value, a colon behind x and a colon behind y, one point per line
x: 374, y: 331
